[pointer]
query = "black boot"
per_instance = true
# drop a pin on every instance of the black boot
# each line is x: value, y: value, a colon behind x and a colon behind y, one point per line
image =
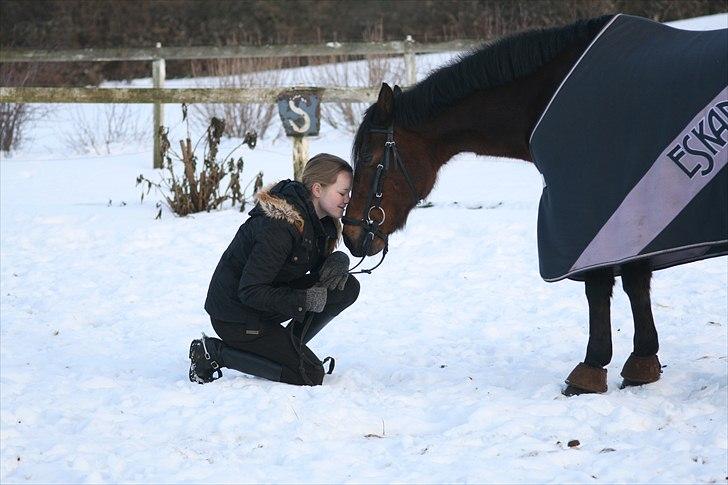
x: 319, y: 321
x: 204, y: 367
x: 250, y: 363
x: 208, y: 355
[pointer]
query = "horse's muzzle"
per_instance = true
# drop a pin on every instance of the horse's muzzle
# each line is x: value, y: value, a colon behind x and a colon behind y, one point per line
x: 355, y: 238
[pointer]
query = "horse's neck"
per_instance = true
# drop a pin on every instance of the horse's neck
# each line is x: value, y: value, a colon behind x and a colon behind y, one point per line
x: 498, y: 122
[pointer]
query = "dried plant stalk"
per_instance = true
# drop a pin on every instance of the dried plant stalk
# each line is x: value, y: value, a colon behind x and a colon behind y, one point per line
x: 196, y: 192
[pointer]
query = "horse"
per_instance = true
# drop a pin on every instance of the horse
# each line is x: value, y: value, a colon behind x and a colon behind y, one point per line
x: 489, y: 102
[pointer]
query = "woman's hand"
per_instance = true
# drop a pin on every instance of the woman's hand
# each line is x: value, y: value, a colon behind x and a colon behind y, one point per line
x: 316, y: 299
x: 335, y: 271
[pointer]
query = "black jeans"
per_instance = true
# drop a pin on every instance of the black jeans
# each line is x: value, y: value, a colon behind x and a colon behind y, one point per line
x: 264, y: 336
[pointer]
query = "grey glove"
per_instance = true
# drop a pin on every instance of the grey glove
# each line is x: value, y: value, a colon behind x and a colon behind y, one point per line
x: 335, y: 271
x: 316, y: 299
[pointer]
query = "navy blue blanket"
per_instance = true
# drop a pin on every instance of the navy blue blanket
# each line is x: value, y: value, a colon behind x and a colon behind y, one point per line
x: 633, y: 149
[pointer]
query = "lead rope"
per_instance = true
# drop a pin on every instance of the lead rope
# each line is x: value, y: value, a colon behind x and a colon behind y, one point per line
x: 369, y: 271
x: 372, y: 228
x: 302, y: 356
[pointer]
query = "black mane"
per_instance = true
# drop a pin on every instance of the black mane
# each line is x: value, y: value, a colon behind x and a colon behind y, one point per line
x: 495, y: 64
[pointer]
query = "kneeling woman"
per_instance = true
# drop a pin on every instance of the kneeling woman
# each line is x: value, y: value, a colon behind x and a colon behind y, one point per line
x: 280, y: 266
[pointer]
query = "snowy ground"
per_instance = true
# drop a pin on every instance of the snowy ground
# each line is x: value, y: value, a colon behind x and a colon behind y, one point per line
x: 449, y: 367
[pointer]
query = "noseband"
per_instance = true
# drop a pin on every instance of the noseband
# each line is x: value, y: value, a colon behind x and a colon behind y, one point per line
x: 374, y: 199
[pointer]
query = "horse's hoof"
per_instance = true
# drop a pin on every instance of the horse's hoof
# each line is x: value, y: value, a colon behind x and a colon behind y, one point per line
x: 574, y: 391
x: 585, y: 379
x: 640, y: 370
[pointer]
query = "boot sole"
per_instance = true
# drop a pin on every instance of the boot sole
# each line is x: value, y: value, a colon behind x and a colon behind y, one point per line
x: 192, y: 374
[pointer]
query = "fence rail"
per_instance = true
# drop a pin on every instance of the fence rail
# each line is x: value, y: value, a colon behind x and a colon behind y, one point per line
x: 158, y: 95
x: 228, y: 52
x: 180, y: 95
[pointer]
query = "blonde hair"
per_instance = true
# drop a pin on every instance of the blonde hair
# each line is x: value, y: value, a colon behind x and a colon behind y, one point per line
x: 323, y: 169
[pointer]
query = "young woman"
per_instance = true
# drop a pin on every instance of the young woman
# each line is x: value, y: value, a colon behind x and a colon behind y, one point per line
x: 280, y: 266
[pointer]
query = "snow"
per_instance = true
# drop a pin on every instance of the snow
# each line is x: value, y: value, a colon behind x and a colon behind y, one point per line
x: 449, y: 366
x: 708, y: 22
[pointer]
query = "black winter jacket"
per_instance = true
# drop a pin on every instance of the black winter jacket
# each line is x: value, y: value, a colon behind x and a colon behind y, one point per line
x: 280, y: 243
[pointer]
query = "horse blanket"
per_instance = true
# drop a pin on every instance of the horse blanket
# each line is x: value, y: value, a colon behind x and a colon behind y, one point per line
x: 633, y: 149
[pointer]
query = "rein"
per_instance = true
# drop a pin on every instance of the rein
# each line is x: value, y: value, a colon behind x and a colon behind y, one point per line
x: 374, y: 200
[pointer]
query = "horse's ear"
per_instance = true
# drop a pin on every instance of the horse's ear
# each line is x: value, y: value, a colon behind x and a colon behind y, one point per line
x: 397, y: 90
x: 385, y: 105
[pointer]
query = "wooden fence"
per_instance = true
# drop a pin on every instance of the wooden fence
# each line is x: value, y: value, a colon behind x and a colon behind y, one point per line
x: 159, y: 95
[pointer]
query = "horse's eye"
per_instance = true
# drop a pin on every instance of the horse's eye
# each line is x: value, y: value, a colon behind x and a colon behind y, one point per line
x: 362, y: 160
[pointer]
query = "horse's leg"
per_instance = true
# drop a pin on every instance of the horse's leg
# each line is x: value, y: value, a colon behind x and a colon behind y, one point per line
x: 642, y: 367
x: 590, y: 375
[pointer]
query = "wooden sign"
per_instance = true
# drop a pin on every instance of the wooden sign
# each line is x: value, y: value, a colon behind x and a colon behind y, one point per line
x: 300, y: 113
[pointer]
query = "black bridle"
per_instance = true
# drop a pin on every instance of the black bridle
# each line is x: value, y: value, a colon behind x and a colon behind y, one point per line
x: 374, y: 199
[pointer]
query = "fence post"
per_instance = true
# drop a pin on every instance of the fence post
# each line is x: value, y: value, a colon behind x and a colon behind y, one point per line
x: 158, y: 75
x: 410, y: 65
x: 300, y: 155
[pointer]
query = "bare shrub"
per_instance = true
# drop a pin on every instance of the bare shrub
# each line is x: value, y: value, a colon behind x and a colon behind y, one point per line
x: 217, y: 182
x: 15, y: 118
x: 240, y: 73
x: 371, y: 71
x: 97, y: 130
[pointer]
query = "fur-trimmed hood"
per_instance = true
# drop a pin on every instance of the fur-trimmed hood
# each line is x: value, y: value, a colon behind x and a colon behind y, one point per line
x: 277, y: 207
x: 290, y: 201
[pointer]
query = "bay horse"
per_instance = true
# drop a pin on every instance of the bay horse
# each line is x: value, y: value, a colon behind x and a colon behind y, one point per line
x: 488, y: 103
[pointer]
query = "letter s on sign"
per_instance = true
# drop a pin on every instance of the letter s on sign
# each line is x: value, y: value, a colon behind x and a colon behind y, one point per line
x: 306, y: 119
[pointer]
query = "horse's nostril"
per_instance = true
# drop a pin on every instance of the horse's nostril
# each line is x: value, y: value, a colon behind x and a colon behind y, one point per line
x: 353, y: 242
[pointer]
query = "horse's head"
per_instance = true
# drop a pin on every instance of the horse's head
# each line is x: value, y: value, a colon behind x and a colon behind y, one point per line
x: 392, y: 172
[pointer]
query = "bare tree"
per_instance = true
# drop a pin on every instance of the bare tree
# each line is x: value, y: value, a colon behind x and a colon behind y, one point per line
x: 370, y: 71
x: 15, y: 118
x: 240, y: 118
x: 98, y: 129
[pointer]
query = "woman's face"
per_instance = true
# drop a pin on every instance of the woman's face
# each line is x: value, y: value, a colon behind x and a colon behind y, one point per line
x: 332, y: 199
